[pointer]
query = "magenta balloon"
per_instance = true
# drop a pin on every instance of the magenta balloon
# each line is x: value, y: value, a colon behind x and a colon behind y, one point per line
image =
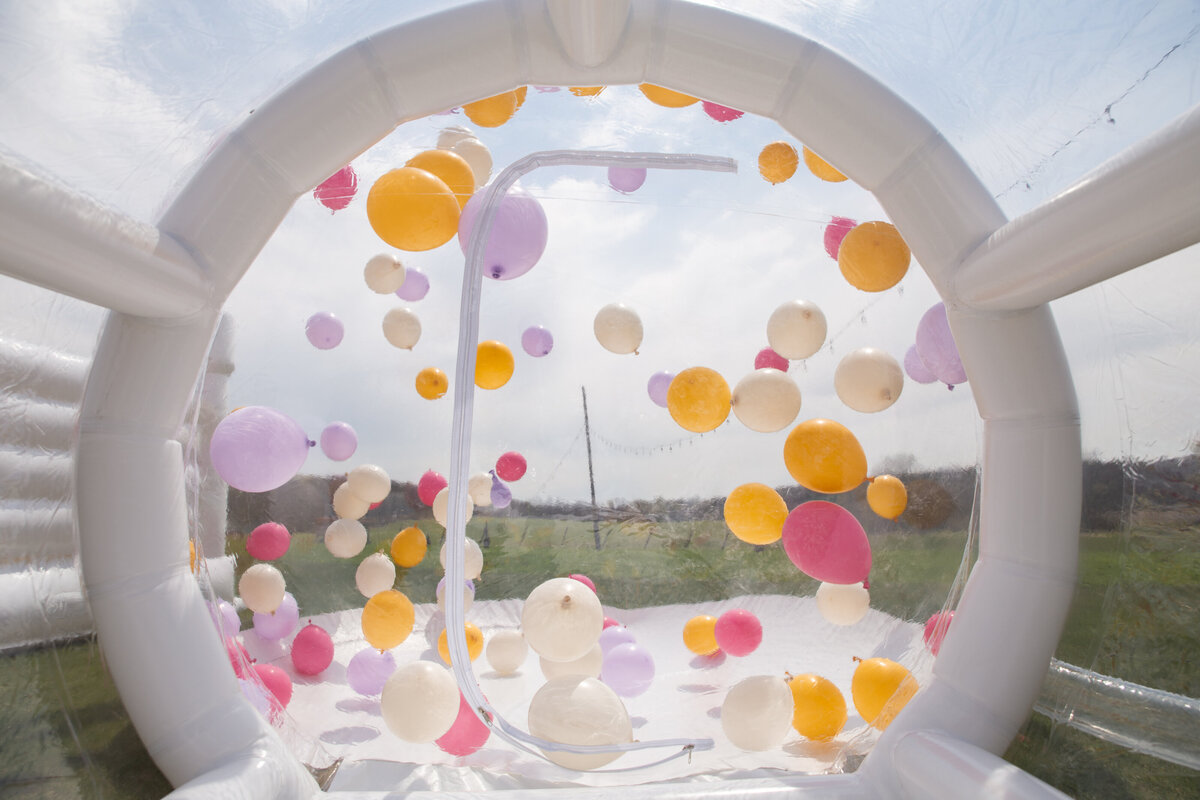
x: 936, y: 628
x: 835, y: 231
x: 769, y: 359
x: 511, y: 466
x: 657, y: 387
x: 915, y: 367
x: 935, y: 346
x: 616, y: 635
x: 827, y: 543
x: 467, y: 734
x: 738, y: 632
x: 336, y: 191
x: 537, y: 341
x: 281, y: 623
x: 501, y: 494
x: 324, y: 330
x: 429, y: 485
x: 584, y: 579
x: 518, y: 235
x: 626, y: 179
x: 719, y: 112
x: 369, y: 670
x: 415, y: 286
x: 257, y: 449
x: 268, y: 541
x: 627, y: 669
x: 312, y: 650
x: 338, y: 441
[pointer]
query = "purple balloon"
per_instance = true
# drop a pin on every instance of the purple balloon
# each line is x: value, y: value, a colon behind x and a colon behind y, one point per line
x: 225, y: 617
x: 501, y: 494
x: 280, y: 624
x: 916, y: 368
x: 657, y: 387
x: 257, y: 449
x: 324, y: 330
x: 614, y: 635
x: 518, y: 235
x: 369, y: 670
x: 415, y: 285
x: 628, y: 669
x: 537, y: 341
x: 338, y: 441
x: 935, y: 346
x: 626, y: 179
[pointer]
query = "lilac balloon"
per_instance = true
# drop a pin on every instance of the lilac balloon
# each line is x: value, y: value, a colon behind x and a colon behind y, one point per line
x: 338, y: 441
x: 628, y: 669
x: 657, y: 387
x: 225, y: 617
x: 916, y: 368
x: 415, y: 285
x: 615, y: 635
x: 537, y: 341
x: 369, y: 670
x: 324, y: 330
x: 257, y: 449
x: 501, y: 494
x: 517, y: 238
x: 935, y: 346
x: 280, y: 624
x: 626, y: 179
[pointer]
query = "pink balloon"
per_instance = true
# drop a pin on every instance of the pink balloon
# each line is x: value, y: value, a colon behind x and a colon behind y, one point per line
x: 324, y: 330
x: 268, y: 541
x: 609, y: 622
x: 936, y: 629
x: 430, y: 484
x: 280, y: 623
x: 768, y: 358
x: 467, y: 734
x: 738, y: 632
x: 657, y: 387
x: 517, y: 238
x: 616, y: 635
x: 936, y: 347
x: 720, y: 113
x: 239, y: 659
x: 312, y: 650
x: 257, y: 449
x: 915, y: 367
x: 336, y: 191
x: 626, y: 179
x: 338, y: 441
x: 584, y: 579
x: 415, y: 286
x: 369, y: 670
x: 511, y: 466
x: 835, y: 231
x: 827, y: 543
x: 628, y: 669
x: 278, y: 684
x: 537, y: 341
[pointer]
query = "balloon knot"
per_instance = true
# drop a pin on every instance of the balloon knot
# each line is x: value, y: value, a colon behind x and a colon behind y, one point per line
x: 866, y: 584
x: 950, y: 387
x: 311, y: 443
x: 857, y: 659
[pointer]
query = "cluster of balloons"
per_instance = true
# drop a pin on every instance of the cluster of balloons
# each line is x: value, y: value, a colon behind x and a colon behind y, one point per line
x: 736, y: 632
x: 669, y: 98
x: 777, y: 162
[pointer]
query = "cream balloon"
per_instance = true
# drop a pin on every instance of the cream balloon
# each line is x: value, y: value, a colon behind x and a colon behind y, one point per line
x: 402, y: 328
x: 766, y: 400
x: 478, y: 158
x: 796, y: 329
x: 441, y: 505
x: 472, y: 557
x: 376, y: 573
x: 261, y: 588
x: 448, y: 137
x: 506, y: 651
x: 588, y: 665
x: 479, y: 487
x: 348, y: 505
x: 562, y: 619
x: 618, y: 328
x: 574, y: 709
x: 757, y: 712
x: 420, y: 701
x: 468, y: 596
x: 345, y: 538
x: 370, y: 483
x: 843, y: 603
x: 384, y: 274
x: 868, y: 380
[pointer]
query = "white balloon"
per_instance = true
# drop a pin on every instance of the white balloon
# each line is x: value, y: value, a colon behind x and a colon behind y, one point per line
x: 420, y: 701
x: 562, y: 619
x: 796, y: 329
x: 472, y: 557
x: 376, y: 573
x: 448, y: 137
x: 468, y: 596
x: 757, y: 713
x: 618, y: 328
x: 402, y: 328
x: 575, y: 709
x: 868, y: 380
x: 479, y: 487
x: 384, y: 273
x: 587, y: 665
x: 262, y: 588
x: 345, y: 538
x: 506, y: 651
x: 441, y: 505
x: 766, y: 400
x: 843, y: 603
x: 370, y: 483
x: 477, y: 156
x: 348, y: 505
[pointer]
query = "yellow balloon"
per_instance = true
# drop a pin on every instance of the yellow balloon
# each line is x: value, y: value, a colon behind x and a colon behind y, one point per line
x: 820, y: 708
x: 585, y: 91
x: 452, y: 168
x: 493, y: 365
x: 823, y: 455
x: 887, y: 496
x: 521, y: 91
x: 432, y: 383
x: 873, y: 256
x: 880, y: 688
x: 492, y: 112
x: 387, y: 619
x: 777, y: 162
x: 474, y: 643
x: 755, y: 513
x: 667, y: 98
x: 821, y: 168
x: 699, y: 399
x: 700, y: 635
x: 412, y: 209
x: 409, y: 546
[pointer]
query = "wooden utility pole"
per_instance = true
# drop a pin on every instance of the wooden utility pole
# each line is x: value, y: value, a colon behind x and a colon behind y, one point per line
x: 587, y: 435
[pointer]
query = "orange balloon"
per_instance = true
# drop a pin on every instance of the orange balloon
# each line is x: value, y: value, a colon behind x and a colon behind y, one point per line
x: 778, y: 161
x: 432, y: 383
x: 492, y: 112
x: 452, y: 168
x: 191, y: 555
x: 585, y: 91
x: 493, y: 365
x: 699, y: 399
x: 755, y: 513
x: 880, y: 689
x: 521, y: 91
x: 821, y: 168
x: 667, y: 98
x: 700, y: 635
x: 820, y: 709
x: 409, y: 546
x: 887, y: 496
x: 874, y: 256
x: 412, y: 209
x: 474, y: 643
x: 823, y: 455
x: 387, y: 619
